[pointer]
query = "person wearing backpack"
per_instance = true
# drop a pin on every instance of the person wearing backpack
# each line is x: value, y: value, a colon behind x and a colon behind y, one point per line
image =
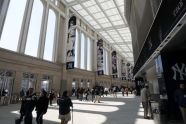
x: 64, y: 108
x: 41, y: 106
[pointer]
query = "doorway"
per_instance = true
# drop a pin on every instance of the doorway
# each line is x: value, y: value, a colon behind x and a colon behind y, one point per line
x: 6, y: 85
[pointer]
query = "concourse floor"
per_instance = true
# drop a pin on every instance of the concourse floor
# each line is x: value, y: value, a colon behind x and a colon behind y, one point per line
x: 120, y: 110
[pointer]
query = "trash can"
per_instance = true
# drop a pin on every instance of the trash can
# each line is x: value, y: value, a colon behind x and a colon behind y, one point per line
x: 155, y: 112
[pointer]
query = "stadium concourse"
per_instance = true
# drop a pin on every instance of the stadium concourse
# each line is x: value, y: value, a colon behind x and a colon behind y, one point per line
x: 120, y: 110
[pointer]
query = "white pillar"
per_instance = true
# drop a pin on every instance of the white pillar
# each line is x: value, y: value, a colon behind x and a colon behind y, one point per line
x: 91, y: 54
x: 78, y: 49
x: 25, y: 27
x: 43, y: 31
x: 110, y: 62
x: 85, y: 52
x: 104, y: 60
x: 95, y: 55
x: 107, y: 62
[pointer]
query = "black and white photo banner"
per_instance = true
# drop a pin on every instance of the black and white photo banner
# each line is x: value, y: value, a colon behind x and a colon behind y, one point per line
x: 114, y: 64
x: 70, y: 53
x: 123, y: 70
x: 100, y: 57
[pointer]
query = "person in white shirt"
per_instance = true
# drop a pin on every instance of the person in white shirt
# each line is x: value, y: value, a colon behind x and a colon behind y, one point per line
x: 144, y: 98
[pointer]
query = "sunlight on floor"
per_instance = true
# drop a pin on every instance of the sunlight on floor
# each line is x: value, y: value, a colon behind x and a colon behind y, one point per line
x: 106, y: 112
x: 140, y: 115
x: 115, y: 103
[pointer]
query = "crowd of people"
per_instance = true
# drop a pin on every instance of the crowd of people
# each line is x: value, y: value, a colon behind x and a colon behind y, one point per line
x: 94, y: 94
x: 31, y: 101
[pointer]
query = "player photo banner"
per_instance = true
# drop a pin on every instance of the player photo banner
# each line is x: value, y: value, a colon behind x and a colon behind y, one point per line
x: 123, y: 70
x: 128, y: 71
x: 100, y: 57
x: 70, y: 53
x: 114, y: 64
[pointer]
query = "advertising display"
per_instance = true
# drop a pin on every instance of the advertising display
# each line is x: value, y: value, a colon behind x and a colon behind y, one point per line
x: 114, y: 65
x: 100, y: 57
x: 70, y: 53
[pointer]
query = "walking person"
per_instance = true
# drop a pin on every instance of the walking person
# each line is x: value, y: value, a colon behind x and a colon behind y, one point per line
x: 64, y: 108
x: 51, y: 96
x: 41, y: 106
x: 122, y: 91
x: 180, y: 98
x: 93, y: 94
x: 27, y: 106
x: 145, y: 98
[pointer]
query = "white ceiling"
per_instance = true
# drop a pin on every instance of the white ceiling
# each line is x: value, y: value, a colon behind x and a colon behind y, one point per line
x: 108, y: 18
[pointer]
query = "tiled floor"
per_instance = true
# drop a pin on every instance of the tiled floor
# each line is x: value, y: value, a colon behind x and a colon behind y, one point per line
x: 121, y: 110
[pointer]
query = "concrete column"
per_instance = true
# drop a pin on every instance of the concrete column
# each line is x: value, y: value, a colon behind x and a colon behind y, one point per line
x: 17, y: 82
x: 78, y: 48
x: 85, y: 52
x: 110, y: 62
x: 3, y: 11
x: 38, y: 82
x: 95, y: 55
x: 25, y: 27
x: 43, y: 31
x: 91, y: 54
x: 104, y: 60
x: 65, y: 35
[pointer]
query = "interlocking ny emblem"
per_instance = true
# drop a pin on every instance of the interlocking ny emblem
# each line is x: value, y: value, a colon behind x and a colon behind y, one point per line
x: 179, y: 71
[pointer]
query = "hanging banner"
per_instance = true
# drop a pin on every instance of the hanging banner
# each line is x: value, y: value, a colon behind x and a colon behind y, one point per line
x: 70, y: 55
x: 100, y: 57
x: 123, y: 70
x: 114, y: 65
x: 128, y: 71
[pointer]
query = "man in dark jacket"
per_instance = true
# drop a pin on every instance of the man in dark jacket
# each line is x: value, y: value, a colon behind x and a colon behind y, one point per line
x: 180, y: 98
x: 41, y: 106
x: 27, y: 106
x: 64, y: 108
x: 51, y: 96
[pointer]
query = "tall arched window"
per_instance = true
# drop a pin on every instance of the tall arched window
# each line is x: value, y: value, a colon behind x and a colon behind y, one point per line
x: 12, y: 26
x: 82, y: 62
x: 49, y: 42
x: 34, y: 29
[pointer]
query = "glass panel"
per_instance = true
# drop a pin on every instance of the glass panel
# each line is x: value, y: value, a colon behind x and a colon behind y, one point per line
x: 103, y: 20
x: 77, y: 7
x: 107, y: 5
x: 118, y: 23
x: 12, y: 26
x: 45, y: 85
x: 96, y: 26
x: 115, y: 18
x: 49, y: 42
x: 98, y: 15
x: 89, y: 3
x: 82, y: 12
x: 94, y: 9
x: 113, y: 11
x: 120, y: 2
x: 104, y: 25
x: 88, y: 18
x: 34, y: 29
x: 82, y: 64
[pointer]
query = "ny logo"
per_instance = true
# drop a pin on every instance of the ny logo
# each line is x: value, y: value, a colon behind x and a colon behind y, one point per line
x: 180, y: 71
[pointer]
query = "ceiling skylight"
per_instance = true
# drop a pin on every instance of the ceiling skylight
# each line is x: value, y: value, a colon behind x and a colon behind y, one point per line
x: 107, y: 18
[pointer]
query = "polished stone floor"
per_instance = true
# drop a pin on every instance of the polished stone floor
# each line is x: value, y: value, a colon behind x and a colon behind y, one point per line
x: 120, y: 110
